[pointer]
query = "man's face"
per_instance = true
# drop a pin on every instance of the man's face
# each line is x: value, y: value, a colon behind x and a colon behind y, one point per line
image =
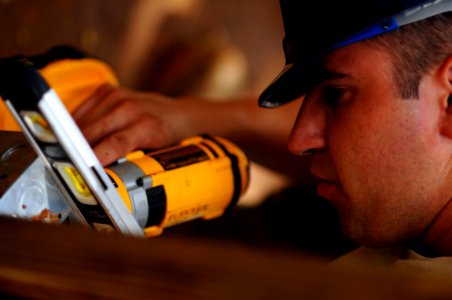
x: 378, y: 156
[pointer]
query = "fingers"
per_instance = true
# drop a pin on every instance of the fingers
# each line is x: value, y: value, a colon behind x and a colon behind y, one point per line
x: 100, y: 104
x: 112, y: 148
x: 121, y: 116
x: 119, y: 143
x: 117, y: 121
x: 93, y: 100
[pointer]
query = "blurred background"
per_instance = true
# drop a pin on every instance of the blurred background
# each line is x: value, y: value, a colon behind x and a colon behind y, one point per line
x: 218, y: 49
x: 215, y: 37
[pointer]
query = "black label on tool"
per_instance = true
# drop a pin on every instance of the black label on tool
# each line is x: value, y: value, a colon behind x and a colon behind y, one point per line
x: 180, y: 157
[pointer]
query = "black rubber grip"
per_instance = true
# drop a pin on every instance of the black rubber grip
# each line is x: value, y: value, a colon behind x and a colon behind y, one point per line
x: 157, y: 205
x: 235, y: 173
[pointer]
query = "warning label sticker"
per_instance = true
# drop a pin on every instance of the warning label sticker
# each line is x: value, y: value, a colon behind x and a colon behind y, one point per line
x: 180, y: 157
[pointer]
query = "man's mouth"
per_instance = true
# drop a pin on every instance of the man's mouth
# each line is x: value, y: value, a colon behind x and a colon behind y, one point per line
x: 327, y: 189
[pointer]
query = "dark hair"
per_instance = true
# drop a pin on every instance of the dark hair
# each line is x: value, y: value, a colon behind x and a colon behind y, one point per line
x: 415, y: 49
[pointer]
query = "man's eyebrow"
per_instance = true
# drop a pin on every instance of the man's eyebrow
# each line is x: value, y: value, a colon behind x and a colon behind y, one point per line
x: 321, y: 74
x: 328, y: 74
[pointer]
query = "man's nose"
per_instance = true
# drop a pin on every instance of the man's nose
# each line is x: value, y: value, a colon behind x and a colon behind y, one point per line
x: 308, y: 134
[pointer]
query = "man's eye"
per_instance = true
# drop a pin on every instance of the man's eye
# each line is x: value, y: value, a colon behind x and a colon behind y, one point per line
x: 332, y: 95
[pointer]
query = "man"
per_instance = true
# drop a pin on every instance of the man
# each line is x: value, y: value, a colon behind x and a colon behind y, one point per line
x: 375, y: 79
x: 378, y: 119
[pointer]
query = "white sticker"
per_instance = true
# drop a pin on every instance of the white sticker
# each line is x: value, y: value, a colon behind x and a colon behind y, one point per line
x: 38, y: 126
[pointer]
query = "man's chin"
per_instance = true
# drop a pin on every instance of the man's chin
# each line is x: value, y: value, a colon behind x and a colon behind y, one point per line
x: 364, y: 237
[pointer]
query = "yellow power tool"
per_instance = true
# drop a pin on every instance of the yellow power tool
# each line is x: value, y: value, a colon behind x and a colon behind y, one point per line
x: 202, y: 177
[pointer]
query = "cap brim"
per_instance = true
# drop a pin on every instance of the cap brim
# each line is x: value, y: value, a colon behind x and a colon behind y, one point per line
x: 291, y: 83
x: 296, y: 78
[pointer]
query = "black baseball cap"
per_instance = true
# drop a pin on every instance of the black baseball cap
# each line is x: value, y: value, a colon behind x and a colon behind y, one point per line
x: 314, y: 28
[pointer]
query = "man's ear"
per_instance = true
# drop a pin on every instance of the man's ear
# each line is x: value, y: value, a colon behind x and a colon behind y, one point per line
x: 445, y: 81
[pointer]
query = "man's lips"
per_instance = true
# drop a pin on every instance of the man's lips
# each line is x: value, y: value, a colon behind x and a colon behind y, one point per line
x: 327, y: 189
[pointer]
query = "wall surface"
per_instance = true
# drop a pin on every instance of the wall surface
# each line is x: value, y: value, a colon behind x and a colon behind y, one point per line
x: 97, y: 27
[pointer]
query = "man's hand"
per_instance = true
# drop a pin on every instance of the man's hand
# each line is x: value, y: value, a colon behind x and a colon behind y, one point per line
x: 117, y: 121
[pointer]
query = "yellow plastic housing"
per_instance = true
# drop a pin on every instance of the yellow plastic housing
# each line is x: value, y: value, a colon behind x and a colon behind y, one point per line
x: 74, y: 80
x: 202, y: 177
